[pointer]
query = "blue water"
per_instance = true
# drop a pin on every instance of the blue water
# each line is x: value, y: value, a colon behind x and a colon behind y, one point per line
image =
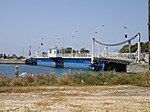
x: 9, y: 69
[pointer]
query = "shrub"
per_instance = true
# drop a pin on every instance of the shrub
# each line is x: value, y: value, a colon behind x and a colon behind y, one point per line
x: 68, y: 79
x: 4, y: 80
x: 78, y: 78
x: 44, y: 79
x: 17, y: 82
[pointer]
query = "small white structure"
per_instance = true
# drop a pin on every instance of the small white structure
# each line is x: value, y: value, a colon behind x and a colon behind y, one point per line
x: 55, y: 52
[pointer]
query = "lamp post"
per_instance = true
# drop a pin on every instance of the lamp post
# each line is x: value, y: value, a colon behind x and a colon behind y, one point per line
x: 40, y: 46
x: 73, y: 37
x: 98, y: 30
x: 42, y: 41
x: 29, y: 51
x: 58, y: 42
x: 126, y: 36
x: 98, y: 33
x: 55, y: 42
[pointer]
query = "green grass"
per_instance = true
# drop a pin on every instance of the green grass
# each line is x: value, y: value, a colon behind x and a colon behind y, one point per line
x: 77, y: 78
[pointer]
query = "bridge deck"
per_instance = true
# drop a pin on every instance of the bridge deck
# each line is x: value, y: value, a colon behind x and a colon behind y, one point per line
x: 115, y: 60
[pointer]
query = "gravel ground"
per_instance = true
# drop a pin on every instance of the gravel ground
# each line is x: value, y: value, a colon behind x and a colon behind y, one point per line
x: 76, y: 99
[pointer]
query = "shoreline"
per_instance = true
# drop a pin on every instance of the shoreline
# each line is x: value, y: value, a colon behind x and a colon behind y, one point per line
x: 11, y: 61
x: 132, y: 68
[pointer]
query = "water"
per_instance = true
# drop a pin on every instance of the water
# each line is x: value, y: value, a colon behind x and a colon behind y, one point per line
x: 9, y: 69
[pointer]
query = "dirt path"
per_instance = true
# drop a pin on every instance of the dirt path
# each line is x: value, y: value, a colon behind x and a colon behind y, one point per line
x: 76, y: 99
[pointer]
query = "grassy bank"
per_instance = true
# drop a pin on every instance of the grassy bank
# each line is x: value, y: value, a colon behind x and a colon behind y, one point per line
x: 77, y: 78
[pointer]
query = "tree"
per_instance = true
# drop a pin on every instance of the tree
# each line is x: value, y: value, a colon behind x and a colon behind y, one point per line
x: 67, y: 50
x: 124, y: 49
x: 83, y: 50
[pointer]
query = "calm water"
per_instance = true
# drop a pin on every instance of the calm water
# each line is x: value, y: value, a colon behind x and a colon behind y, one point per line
x: 9, y: 69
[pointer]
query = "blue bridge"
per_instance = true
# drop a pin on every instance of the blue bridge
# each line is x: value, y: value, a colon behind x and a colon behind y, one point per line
x: 104, y: 61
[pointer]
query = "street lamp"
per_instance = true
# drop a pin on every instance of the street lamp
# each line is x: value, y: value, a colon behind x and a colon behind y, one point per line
x: 40, y: 46
x: 98, y: 28
x: 55, y: 42
x: 42, y: 41
x: 58, y: 42
x: 126, y: 32
x: 98, y: 33
x: 126, y: 36
x: 73, y: 37
x: 29, y: 51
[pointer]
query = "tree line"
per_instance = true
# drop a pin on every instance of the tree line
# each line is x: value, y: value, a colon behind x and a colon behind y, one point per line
x: 70, y: 50
x: 134, y: 47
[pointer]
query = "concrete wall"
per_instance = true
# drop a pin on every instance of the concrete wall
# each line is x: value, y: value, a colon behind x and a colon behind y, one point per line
x: 137, y: 67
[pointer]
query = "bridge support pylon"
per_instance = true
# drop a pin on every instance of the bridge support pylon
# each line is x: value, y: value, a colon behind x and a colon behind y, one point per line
x: 139, y: 48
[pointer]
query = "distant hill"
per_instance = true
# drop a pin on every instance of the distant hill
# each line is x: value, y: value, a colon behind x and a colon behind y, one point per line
x: 125, y: 48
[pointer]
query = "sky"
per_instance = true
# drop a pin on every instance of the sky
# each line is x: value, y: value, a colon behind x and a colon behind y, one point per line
x: 69, y: 23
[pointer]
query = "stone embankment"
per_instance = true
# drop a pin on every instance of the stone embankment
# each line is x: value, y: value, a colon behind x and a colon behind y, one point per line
x: 11, y: 61
x: 137, y: 67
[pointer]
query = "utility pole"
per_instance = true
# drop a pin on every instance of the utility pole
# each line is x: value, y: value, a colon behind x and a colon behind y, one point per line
x: 149, y: 30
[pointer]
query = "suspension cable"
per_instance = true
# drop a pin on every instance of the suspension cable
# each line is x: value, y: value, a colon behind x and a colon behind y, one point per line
x: 120, y: 43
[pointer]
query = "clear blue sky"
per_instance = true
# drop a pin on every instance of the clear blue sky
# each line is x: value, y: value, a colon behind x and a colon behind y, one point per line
x: 28, y: 22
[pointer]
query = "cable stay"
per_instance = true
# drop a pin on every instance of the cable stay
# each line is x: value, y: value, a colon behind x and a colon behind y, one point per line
x: 120, y: 43
x: 117, y: 43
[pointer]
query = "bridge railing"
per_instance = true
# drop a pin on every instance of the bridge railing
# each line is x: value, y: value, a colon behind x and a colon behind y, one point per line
x: 115, y: 55
x: 67, y: 55
x: 76, y: 55
x: 131, y: 56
